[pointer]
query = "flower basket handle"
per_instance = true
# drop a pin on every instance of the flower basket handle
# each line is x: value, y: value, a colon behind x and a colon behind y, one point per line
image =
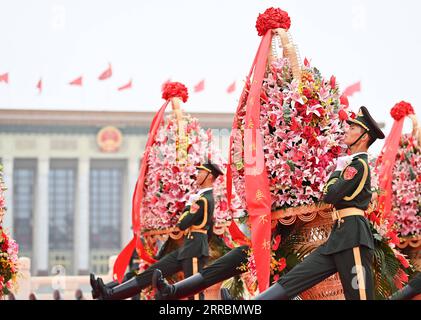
x: 182, y: 137
x: 289, y: 51
x: 416, y: 130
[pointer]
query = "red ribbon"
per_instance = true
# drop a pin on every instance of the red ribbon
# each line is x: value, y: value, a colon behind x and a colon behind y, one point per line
x: 258, y: 196
x: 384, y: 164
x: 236, y: 234
x: 123, y: 258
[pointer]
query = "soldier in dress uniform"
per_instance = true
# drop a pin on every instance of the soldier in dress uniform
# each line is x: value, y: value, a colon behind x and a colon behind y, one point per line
x: 348, y: 250
x: 196, y: 222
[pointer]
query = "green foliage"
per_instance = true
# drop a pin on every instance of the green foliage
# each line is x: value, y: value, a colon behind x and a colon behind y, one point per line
x: 386, y: 270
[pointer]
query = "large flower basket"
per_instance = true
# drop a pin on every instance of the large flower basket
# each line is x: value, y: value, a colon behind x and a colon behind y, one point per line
x: 167, y: 180
x: 406, y: 201
x: 290, y: 119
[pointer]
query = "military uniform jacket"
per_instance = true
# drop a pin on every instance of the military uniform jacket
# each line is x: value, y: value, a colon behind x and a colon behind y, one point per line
x: 350, y: 187
x: 198, y: 215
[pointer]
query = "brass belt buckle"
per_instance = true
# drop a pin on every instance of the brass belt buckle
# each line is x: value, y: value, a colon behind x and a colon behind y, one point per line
x: 338, y: 217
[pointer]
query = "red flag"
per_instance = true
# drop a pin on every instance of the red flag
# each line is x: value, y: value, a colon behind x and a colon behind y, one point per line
x: 39, y: 85
x: 349, y: 91
x: 76, y: 82
x: 106, y: 74
x: 128, y: 85
x: 200, y: 86
x: 231, y: 88
x: 4, y: 77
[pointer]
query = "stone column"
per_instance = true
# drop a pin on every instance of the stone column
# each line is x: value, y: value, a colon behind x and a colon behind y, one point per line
x: 41, y: 222
x: 131, y: 178
x: 81, y: 235
x: 8, y: 194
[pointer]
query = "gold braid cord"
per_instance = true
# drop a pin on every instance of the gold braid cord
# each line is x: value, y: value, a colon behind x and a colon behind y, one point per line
x: 152, y: 236
x: 182, y: 142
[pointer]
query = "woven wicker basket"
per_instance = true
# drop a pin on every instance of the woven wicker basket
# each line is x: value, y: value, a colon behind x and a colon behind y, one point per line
x: 411, y: 246
x: 317, y: 224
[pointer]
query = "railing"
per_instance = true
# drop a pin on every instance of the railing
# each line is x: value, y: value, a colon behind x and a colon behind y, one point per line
x: 44, y: 287
x: 61, y: 258
x: 99, y: 260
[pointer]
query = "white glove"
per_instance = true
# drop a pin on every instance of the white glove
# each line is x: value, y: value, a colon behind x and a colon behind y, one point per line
x: 192, y: 198
x: 342, y: 162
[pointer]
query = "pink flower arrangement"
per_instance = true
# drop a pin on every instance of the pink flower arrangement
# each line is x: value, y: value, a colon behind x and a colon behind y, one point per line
x: 302, y: 134
x: 8, y: 250
x: 169, y: 182
x: 8, y: 263
x: 406, y: 187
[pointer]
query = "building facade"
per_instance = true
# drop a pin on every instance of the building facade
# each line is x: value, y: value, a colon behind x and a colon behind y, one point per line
x: 70, y: 178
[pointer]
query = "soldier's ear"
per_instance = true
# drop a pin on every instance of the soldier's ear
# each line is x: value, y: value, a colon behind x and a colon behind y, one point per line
x: 366, y: 139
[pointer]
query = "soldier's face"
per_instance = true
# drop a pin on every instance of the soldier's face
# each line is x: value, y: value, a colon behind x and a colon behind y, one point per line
x: 201, y: 177
x: 352, y: 133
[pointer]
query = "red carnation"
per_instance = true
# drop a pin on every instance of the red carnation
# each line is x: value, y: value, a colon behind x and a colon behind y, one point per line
x: 275, y: 246
x: 344, y: 100
x: 308, y: 132
x: 307, y: 92
x: 313, y: 102
x: 336, y: 150
x: 321, y: 111
x: 272, y: 18
x: 307, y: 118
x: 179, y: 205
x: 272, y: 120
x: 223, y: 206
x: 154, y: 200
x: 295, y: 126
x: 300, y: 108
x: 282, y: 263
x: 174, y: 90
x: 393, y: 237
x: 401, y: 110
x: 343, y: 116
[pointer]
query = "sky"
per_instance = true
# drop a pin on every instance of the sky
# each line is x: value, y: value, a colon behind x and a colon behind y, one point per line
x: 376, y: 42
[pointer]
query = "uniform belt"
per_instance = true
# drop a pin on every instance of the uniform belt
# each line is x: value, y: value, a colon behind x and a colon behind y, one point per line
x: 200, y: 231
x: 347, y: 212
x: 188, y: 232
